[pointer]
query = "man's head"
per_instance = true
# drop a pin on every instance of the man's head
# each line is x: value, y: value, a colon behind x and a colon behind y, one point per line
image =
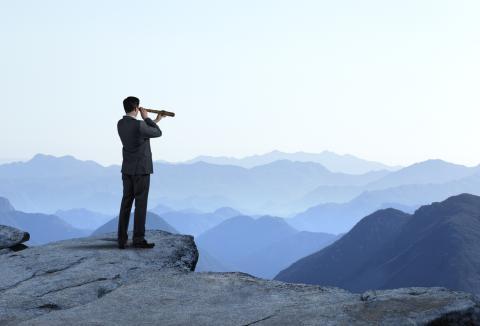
x: 131, y: 104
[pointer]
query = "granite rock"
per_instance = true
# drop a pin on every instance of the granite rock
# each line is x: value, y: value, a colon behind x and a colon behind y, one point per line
x: 88, y: 281
x: 11, y: 237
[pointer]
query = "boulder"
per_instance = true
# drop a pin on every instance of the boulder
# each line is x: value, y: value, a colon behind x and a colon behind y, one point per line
x: 11, y: 237
x: 88, y: 281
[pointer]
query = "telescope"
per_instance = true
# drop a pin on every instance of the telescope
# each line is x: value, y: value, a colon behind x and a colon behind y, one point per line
x: 161, y: 112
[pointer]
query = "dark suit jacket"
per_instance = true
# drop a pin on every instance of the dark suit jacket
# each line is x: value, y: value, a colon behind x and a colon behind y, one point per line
x: 135, y: 135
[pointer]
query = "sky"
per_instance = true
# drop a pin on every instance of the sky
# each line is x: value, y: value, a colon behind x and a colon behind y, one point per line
x: 391, y: 81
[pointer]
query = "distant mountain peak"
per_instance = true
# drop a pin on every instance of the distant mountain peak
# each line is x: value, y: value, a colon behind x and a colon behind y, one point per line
x: 433, y: 171
x: 5, y: 205
x: 270, y: 218
x: 41, y: 156
x: 384, y: 223
x: 47, y: 166
x: 461, y: 202
x: 463, y: 198
x: 435, y: 246
x: 438, y: 164
x: 434, y: 162
x: 275, y: 151
x: 290, y: 163
x: 64, y: 159
x: 384, y: 213
x: 226, y: 211
x: 239, y: 219
x: 332, y: 161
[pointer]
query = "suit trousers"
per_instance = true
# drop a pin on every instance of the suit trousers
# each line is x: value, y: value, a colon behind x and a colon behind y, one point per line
x: 135, y: 187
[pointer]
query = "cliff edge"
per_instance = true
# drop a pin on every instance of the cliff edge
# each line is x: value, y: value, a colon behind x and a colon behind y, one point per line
x: 88, y: 281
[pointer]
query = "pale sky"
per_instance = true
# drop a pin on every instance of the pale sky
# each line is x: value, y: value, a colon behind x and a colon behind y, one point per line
x: 392, y: 81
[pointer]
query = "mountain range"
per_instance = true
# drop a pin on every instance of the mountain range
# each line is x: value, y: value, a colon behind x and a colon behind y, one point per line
x: 424, y: 173
x: 261, y: 247
x: 195, y: 223
x: 265, y: 188
x: 436, y: 246
x: 43, y: 228
x: 302, y: 190
x: 84, y: 184
x: 153, y: 222
x: 82, y: 218
x: 334, y: 162
x: 340, y: 217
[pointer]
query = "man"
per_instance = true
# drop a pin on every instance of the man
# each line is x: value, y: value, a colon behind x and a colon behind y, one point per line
x: 136, y: 169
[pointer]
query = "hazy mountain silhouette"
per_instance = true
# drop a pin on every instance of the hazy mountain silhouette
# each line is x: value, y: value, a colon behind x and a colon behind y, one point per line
x: 336, y: 217
x: 267, y: 261
x: 417, y: 195
x: 43, y: 228
x: 263, y: 188
x: 195, y: 223
x: 427, y: 172
x: 83, y: 218
x: 31, y: 185
x: 86, y: 184
x: 161, y: 209
x: 332, y: 161
x: 226, y: 212
x: 436, y: 246
x: 261, y: 247
x: 153, y: 222
x: 242, y: 235
x: 339, y: 218
x: 208, y: 263
x: 345, y: 258
x: 279, y: 188
x: 48, y: 166
x: 327, y: 194
x: 5, y: 205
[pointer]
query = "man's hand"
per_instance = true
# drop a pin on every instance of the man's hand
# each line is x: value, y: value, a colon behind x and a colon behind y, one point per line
x: 158, y: 118
x: 143, y: 113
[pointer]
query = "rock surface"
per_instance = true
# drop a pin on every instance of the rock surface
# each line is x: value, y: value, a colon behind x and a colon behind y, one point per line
x: 71, y: 273
x: 11, y: 237
x: 88, y: 281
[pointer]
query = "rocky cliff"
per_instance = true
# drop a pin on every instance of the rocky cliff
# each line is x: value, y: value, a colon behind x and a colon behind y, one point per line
x: 88, y: 281
x: 436, y: 246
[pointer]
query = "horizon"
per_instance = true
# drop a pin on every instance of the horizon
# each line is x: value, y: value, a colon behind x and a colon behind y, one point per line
x: 187, y: 161
x: 392, y: 82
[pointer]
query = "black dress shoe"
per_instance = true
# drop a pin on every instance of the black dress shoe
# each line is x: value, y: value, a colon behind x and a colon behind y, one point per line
x: 122, y: 245
x: 144, y: 244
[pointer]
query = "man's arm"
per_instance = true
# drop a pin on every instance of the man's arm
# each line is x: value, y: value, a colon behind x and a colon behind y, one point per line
x: 149, y: 129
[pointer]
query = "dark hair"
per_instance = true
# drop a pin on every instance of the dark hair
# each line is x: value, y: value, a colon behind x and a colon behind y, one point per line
x: 130, y: 103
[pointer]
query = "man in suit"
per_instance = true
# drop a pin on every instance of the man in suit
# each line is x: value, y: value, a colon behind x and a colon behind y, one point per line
x: 136, y: 169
